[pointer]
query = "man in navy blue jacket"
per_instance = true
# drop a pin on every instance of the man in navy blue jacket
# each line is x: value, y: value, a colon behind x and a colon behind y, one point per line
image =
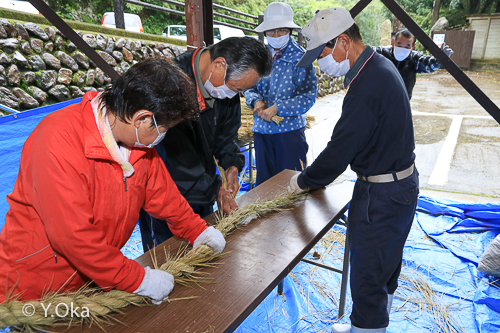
x: 375, y: 136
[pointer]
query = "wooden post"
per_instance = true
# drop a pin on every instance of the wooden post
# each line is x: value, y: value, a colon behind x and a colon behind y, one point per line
x: 194, y: 23
x: 300, y: 40
x: 486, y: 35
x: 119, y: 16
x: 208, y: 22
x: 261, y: 34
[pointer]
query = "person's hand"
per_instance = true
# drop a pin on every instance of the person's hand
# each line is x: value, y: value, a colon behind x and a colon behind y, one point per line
x: 233, y: 183
x: 258, y: 107
x: 447, y: 49
x: 213, y: 238
x: 156, y: 284
x: 268, y: 113
x: 294, y: 185
x: 225, y: 201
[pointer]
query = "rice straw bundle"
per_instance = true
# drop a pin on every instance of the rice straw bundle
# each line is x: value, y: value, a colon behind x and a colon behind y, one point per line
x: 101, y: 304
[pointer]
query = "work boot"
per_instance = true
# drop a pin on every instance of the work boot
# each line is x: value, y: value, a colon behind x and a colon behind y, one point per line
x: 390, y: 298
x: 341, y: 328
x: 355, y: 329
x: 347, y: 328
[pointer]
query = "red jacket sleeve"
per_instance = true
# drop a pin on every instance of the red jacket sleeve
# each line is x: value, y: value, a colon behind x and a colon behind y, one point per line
x: 57, y: 181
x: 165, y: 202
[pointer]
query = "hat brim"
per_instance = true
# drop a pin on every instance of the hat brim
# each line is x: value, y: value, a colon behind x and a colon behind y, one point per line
x: 310, y: 55
x: 271, y: 25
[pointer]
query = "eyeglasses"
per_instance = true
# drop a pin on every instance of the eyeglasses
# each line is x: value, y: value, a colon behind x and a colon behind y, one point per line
x: 277, y: 32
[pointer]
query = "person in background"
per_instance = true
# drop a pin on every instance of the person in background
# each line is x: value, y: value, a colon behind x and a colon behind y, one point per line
x: 289, y: 92
x: 219, y: 72
x: 407, y: 61
x: 86, y: 171
x: 374, y: 135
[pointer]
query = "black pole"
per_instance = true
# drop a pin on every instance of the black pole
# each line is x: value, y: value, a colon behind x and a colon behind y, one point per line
x: 119, y: 16
x: 261, y: 34
x: 359, y: 7
x: 208, y: 22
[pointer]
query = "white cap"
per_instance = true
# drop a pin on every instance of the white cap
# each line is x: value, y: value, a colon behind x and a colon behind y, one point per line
x: 325, y: 25
x: 277, y: 15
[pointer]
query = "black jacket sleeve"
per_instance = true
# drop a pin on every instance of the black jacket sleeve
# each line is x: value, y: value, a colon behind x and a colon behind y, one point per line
x: 228, y: 120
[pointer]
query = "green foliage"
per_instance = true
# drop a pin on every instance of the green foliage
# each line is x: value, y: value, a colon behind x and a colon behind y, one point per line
x: 88, y: 11
x: 369, y: 20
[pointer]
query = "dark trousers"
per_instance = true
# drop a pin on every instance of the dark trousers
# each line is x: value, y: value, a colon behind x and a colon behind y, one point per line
x: 155, y: 232
x: 277, y: 152
x: 380, y: 219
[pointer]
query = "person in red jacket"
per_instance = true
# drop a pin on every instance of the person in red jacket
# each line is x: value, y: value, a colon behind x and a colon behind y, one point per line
x: 86, y: 171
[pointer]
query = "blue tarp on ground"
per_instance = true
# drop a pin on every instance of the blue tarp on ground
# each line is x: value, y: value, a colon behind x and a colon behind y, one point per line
x: 443, y: 249
x: 14, y: 130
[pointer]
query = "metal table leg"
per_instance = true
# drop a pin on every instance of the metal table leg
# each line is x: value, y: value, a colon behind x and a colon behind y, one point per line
x: 345, y: 272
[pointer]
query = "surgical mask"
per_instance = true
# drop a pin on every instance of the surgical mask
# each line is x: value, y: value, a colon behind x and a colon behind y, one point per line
x: 400, y: 53
x: 220, y: 92
x: 278, y: 42
x: 333, y: 68
x: 157, y: 140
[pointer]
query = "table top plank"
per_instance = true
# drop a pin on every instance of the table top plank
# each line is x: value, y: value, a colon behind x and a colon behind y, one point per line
x: 257, y: 257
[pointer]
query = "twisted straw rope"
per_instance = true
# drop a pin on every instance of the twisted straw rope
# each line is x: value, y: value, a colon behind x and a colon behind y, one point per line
x: 101, y: 304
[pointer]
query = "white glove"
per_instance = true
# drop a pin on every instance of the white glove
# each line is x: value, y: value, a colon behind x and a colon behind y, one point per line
x: 156, y: 285
x: 213, y: 238
x: 447, y: 49
x: 294, y: 185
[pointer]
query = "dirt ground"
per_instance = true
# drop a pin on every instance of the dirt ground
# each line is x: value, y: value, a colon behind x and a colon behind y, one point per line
x: 457, y: 141
x: 438, y: 99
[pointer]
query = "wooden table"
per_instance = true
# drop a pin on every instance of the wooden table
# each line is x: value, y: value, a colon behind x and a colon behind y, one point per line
x: 257, y: 258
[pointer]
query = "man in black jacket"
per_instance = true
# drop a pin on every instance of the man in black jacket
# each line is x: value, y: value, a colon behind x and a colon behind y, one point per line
x: 407, y: 61
x: 219, y: 71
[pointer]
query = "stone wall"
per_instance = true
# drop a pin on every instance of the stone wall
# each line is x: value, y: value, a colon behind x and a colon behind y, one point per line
x: 328, y: 85
x: 41, y: 66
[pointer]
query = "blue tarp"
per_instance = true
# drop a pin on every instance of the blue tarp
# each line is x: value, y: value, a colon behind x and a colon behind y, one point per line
x: 443, y: 249
x: 14, y: 130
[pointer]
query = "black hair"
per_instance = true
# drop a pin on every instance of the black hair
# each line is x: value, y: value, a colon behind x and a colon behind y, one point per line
x: 242, y: 54
x: 406, y: 33
x: 157, y: 86
x: 353, y: 34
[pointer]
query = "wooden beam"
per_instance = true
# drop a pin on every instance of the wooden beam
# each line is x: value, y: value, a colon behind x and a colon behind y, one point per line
x: 194, y: 23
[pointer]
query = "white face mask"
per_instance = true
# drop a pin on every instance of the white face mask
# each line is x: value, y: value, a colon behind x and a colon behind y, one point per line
x: 220, y: 92
x: 400, y: 53
x: 333, y: 68
x: 278, y: 42
x: 154, y: 143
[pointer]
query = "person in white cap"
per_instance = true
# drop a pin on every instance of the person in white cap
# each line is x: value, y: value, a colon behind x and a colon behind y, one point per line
x: 375, y: 136
x: 288, y: 92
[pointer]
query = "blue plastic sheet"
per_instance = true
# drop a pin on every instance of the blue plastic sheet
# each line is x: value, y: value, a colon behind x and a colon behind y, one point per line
x: 443, y: 249
x: 14, y: 130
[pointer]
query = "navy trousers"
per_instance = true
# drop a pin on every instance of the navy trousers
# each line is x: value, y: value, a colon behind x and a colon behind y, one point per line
x: 277, y: 152
x: 380, y: 219
x: 155, y: 232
